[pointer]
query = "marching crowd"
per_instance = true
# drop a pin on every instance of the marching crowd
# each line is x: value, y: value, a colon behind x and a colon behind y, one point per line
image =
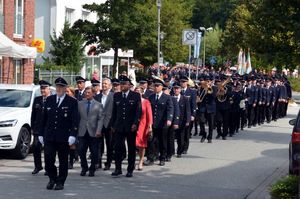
x: 155, y: 118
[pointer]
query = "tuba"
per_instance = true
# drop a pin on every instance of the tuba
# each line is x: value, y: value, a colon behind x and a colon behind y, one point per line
x: 222, y: 90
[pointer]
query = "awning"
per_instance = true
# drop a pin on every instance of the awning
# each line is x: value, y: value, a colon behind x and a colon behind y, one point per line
x: 9, y: 48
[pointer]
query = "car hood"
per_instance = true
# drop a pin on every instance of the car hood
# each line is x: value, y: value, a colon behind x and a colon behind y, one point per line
x: 8, y: 113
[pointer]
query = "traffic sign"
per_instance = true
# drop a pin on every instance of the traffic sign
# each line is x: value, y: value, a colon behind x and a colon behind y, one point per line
x: 189, y: 37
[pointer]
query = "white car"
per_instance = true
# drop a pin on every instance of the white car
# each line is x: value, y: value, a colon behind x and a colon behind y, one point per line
x: 15, y: 113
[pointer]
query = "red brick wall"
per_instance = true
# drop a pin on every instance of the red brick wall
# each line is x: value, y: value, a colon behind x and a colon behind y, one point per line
x: 9, y: 10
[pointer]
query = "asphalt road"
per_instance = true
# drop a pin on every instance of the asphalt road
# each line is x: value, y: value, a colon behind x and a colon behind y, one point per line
x: 240, y: 167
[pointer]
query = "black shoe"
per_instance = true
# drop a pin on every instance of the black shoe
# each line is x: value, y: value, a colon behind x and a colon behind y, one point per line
x: 46, y: 173
x: 224, y: 138
x: 148, y: 163
x: 254, y: 125
x: 106, y: 167
x: 91, y: 173
x: 116, y: 173
x: 218, y: 136
x: 230, y: 135
x: 59, y: 186
x: 36, y: 170
x: 168, y: 159
x: 129, y: 174
x: 195, y: 134
x: 178, y: 155
x: 184, y: 152
x: 161, y: 163
x: 70, y: 166
x: 202, y: 139
x: 209, y: 141
x: 50, y: 185
x: 83, y: 172
x: 249, y: 126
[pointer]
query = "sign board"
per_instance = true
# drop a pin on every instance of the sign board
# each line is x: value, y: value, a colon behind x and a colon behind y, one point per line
x: 161, y: 60
x: 189, y: 37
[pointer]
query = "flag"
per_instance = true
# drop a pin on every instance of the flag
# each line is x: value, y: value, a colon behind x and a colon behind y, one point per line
x: 249, y: 67
x: 240, y: 62
x: 197, y: 46
x: 244, y: 63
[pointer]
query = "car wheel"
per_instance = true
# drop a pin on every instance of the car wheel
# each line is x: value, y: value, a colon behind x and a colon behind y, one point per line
x: 23, y: 144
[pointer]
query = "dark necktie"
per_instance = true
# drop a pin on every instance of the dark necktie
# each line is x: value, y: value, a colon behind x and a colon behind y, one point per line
x: 124, y: 96
x: 88, y: 107
x: 157, y: 96
x: 57, y: 104
x: 182, y: 92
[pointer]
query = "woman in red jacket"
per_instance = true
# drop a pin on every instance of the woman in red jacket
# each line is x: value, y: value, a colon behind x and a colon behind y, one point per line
x: 145, y: 128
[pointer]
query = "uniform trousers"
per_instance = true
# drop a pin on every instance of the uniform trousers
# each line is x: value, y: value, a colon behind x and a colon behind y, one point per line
x: 222, y: 122
x: 37, y: 151
x: 209, y: 119
x: 159, y: 136
x: 180, y: 139
x: 170, y: 142
x: 268, y: 112
x: 120, y: 137
x: 50, y: 150
x: 108, y: 136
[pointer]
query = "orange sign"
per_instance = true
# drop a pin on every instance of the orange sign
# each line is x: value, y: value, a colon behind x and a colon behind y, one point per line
x: 39, y: 44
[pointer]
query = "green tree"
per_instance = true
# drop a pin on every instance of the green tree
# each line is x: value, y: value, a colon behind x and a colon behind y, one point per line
x: 67, y: 49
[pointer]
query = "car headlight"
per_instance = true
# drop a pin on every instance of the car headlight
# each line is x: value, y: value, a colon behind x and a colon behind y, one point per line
x: 8, y: 123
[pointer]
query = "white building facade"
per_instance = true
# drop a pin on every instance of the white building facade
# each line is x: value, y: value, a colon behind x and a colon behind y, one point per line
x: 50, y: 16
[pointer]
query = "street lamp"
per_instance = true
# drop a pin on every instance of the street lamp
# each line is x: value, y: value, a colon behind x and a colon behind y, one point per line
x: 204, y: 30
x: 158, y: 3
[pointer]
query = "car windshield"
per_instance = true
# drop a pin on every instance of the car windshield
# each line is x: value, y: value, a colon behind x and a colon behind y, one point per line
x: 15, y: 98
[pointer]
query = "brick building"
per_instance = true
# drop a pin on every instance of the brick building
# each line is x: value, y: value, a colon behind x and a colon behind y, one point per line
x: 17, y: 23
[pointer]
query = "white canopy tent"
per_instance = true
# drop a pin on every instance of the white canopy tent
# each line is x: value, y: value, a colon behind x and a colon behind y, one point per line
x: 9, y: 48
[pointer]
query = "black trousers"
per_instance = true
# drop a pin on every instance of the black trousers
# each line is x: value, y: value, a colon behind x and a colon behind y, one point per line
x: 180, y: 140
x: 251, y: 114
x: 208, y: 118
x: 50, y: 150
x: 268, y: 113
x: 243, y: 118
x: 187, y: 134
x: 107, y: 138
x: 234, y: 120
x: 170, y: 142
x: 120, y: 146
x: 87, y: 142
x: 37, y: 151
x: 275, y: 111
x: 222, y: 122
x: 159, y: 136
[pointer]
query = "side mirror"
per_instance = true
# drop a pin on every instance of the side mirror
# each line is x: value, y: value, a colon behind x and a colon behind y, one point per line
x: 292, y: 122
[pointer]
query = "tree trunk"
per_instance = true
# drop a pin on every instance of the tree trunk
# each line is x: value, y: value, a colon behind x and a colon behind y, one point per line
x: 114, y: 68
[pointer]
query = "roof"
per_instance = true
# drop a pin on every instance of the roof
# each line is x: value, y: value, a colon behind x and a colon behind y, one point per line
x: 26, y: 87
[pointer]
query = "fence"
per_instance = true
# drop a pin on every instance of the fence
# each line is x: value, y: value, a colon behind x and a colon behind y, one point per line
x: 51, y: 75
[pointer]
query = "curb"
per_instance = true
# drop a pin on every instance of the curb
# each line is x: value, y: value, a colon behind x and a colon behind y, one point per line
x: 262, y: 190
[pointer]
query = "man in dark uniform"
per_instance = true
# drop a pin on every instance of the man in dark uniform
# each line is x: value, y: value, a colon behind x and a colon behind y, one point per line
x: 96, y: 87
x: 116, y: 85
x: 60, y: 127
x: 79, y: 92
x: 127, y: 111
x: 162, y: 109
x: 191, y: 94
x: 270, y: 100
x: 206, y: 108
x: 36, y: 119
x: 144, y: 85
x: 251, y: 101
x: 184, y: 117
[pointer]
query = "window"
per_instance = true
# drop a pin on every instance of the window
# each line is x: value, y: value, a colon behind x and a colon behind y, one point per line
x: 69, y: 15
x: 19, y: 18
x: 18, y: 65
x: 85, y: 15
x: 1, y: 16
x: 15, y: 98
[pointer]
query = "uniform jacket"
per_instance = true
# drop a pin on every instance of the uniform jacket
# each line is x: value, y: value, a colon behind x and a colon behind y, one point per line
x: 37, y: 114
x: 162, y: 110
x: 176, y: 112
x: 78, y: 96
x: 185, y: 111
x: 147, y: 93
x: 191, y: 94
x: 126, y: 112
x: 60, y: 122
x: 91, y: 122
x: 208, y: 103
x: 251, y: 94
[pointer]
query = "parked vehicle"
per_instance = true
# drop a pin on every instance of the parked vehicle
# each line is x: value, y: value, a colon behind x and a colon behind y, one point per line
x: 15, y: 112
x: 294, y: 147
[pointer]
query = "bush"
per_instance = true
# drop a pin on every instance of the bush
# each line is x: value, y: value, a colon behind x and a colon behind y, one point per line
x: 285, y: 188
x: 295, y: 84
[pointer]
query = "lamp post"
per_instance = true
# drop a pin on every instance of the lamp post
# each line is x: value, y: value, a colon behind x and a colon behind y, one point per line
x: 158, y: 3
x: 204, y: 30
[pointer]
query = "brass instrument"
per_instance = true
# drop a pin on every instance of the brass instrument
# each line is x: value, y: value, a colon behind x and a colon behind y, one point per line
x: 207, y: 89
x: 222, y: 90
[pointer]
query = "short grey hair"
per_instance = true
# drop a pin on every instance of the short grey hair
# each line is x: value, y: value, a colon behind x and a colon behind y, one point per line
x: 107, y: 79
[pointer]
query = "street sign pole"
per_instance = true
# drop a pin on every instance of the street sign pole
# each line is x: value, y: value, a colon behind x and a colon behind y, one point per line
x: 158, y: 3
x: 190, y: 53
